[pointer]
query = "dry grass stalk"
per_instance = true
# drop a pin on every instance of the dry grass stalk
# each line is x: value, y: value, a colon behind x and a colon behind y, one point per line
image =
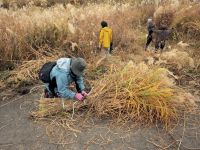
x: 25, y: 31
x: 49, y: 107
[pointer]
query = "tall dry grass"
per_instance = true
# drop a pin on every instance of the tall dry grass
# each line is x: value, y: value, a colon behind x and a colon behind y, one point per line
x: 183, y: 17
x: 187, y: 22
x: 25, y: 31
x: 17, y: 4
x: 34, y: 33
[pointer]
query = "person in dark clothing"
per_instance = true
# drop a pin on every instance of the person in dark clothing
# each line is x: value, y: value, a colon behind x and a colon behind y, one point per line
x: 150, y: 29
x: 161, y: 35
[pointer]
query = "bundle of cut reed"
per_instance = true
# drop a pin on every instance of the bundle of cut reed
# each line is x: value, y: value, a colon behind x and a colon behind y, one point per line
x: 134, y: 92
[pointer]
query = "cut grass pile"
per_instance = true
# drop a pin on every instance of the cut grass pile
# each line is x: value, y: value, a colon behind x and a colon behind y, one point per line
x: 125, y: 93
x: 134, y: 92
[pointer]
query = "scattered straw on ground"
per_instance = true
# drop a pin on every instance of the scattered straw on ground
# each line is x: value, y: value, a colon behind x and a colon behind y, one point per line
x: 49, y: 107
x: 180, y: 58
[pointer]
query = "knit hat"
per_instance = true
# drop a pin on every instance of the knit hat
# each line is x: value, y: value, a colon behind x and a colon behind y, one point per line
x: 78, y: 65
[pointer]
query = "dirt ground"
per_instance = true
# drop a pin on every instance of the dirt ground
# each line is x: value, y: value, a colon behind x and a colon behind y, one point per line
x: 18, y: 131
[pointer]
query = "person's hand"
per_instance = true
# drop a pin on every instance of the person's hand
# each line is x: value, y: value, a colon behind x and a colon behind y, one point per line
x: 79, y: 97
x: 84, y: 93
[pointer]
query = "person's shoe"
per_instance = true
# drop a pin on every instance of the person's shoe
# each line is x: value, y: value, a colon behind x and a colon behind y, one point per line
x: 145, y: 48
x: 47, y: 94
x: 108, y: 55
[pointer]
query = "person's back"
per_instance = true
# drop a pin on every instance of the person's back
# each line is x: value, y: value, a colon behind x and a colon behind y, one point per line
x: 162, y: 34
x: 105, y: 37
x: 65, y: 72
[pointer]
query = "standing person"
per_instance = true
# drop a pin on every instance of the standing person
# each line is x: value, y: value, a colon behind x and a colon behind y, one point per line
x: 150, y: 29
x: 64, y: 72
x: 161, y: 35
x: 105, y: 38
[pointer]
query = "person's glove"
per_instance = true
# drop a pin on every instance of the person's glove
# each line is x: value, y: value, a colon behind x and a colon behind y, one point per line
x: 79, y: 96
x: 84, y: 93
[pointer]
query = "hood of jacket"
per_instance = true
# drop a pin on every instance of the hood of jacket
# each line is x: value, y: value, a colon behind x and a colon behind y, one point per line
x: 107, y: 29
x: 64, y: 64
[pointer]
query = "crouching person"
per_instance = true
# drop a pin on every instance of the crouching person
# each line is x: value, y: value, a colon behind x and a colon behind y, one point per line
x: 61, y: 74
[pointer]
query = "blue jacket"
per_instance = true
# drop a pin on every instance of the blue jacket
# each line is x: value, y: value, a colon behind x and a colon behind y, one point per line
x: 63, y: 77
